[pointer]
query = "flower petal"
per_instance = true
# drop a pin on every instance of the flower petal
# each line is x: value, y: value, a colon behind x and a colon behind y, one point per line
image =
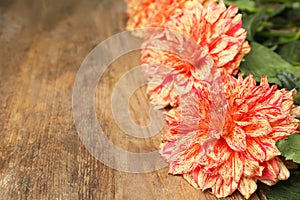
x: 247, y: 187
x: 252, y: 168
x: 221, y: 152
x: 236, y: 139
x: 244, y: 152
x: 255, y: 150
x: 221, y: 189
x: 232, y: 169
x: 269, y: 147
x: 215, y: 39
x: 284, y: 173
x: 271, y: 171
x: 199, y: 179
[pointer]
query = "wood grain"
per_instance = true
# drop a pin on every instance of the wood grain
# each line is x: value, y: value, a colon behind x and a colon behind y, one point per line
x: 43, y: 44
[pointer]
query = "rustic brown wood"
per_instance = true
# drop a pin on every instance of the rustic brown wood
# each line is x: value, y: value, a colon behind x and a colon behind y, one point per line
x: 42, y: 45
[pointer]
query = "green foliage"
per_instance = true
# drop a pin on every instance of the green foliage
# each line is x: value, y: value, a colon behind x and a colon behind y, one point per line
x: 252, y: 23
x: 272, y: 23
x: 247, y: 5
x: 273, y: 28
x: 291, y: 52
x: 264, y: 61
x: 289, y: 81
x: 290, y: 189
x: 286, y: 190
x: 290, y: 148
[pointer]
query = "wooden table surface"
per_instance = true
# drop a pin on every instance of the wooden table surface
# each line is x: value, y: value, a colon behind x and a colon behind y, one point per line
x: 43, y: 43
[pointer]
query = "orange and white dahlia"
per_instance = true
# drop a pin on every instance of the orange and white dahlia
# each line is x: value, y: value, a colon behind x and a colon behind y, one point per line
x: 215, y: 28
x: 182, y: 67
x: 154, y: 13
x: 244, y: 151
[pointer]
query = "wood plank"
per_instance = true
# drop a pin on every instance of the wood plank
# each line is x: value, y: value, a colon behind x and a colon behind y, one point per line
x: 43, y: 44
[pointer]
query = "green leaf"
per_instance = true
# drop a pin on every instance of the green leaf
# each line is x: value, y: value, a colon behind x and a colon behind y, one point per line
x: 248, y: 5
x: 288, y: 80
x: 277, y: 10
x: 264, y: 61
x: 252, y: 22
x: 290, y: 148
x: 291, y: 52
x: 286, y: 190
x: 278, y: 1
x: 290, y: 37
x: 297, y: 99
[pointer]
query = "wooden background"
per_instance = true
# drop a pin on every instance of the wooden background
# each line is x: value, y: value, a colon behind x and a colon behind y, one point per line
x: 43, y: 43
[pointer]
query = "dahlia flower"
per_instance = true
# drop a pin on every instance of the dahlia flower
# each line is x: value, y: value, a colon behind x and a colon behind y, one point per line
x: 153, y: 13
x: 244, y: 151
x: 216, y: 29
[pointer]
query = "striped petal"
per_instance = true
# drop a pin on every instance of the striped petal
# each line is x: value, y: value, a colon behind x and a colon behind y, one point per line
x: 247, y: 186
x: 232, y: 170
